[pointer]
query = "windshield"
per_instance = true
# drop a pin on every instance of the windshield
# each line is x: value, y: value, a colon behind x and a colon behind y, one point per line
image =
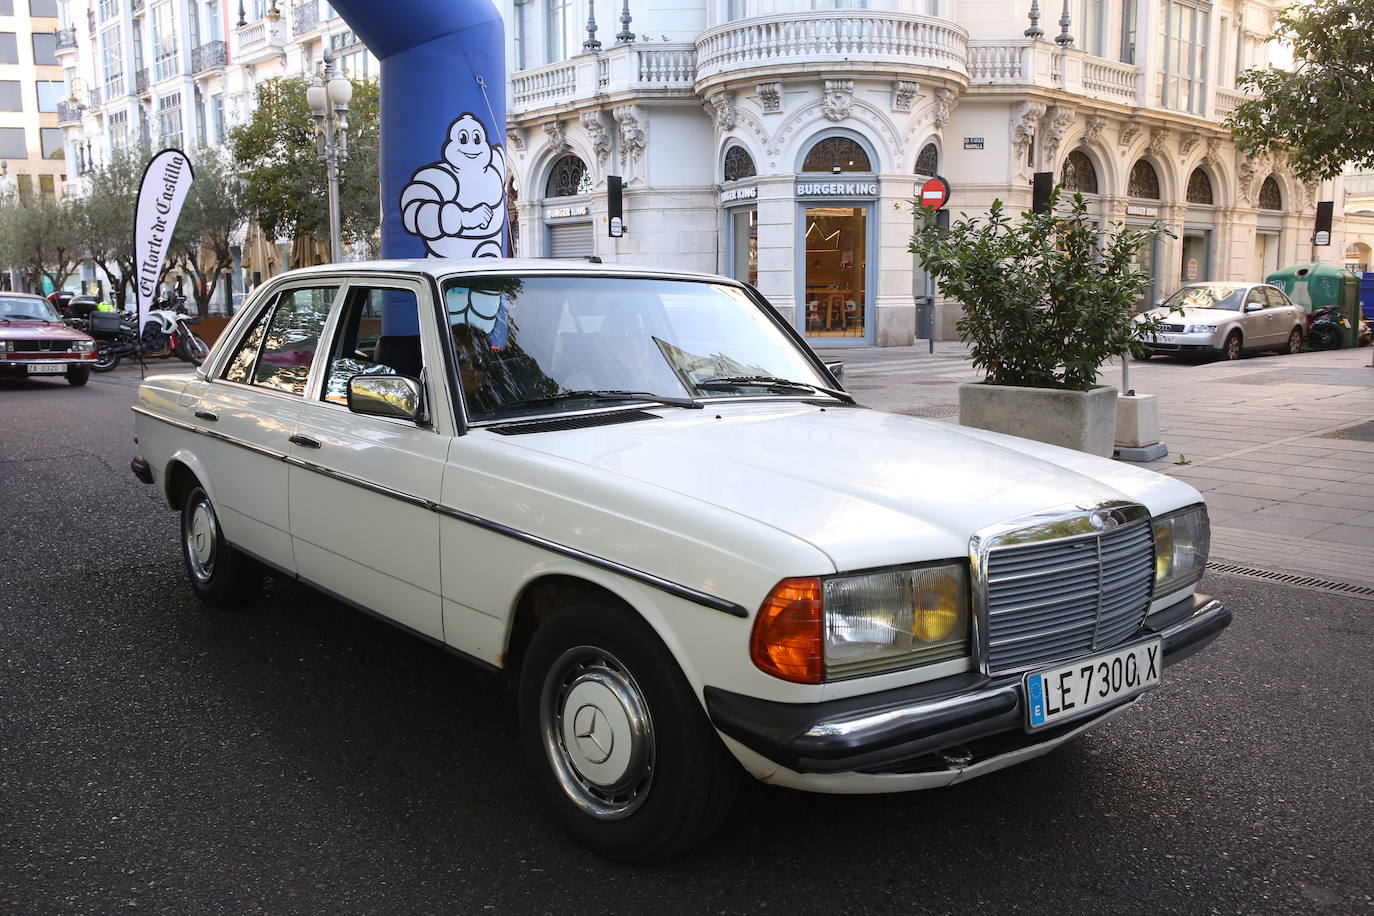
x: 534, y: 344
x: 1211, y: 296
x: 21, y: 308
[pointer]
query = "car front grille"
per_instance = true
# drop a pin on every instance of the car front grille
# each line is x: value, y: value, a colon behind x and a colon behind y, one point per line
x: 1056, y: 599
x: 42, y: 346
x: 1172, y: 328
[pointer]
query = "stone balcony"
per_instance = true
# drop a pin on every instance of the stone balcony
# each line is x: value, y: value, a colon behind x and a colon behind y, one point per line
x: 829, y: 41
x: 1041, y: 63
x: 69, y: 113
x: 209, y: 57
x: 305, y: 17
x: 622, y: 71
x: 66, y: 41
x: 262, y: 39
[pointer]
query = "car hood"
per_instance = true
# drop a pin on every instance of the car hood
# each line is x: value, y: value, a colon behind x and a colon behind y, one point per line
x: 1194, y: 316
x: 867, y: 488
x: 38, y: 330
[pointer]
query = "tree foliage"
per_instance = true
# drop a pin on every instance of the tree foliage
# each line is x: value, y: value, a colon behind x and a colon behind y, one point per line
x: 1319, y: 112
x: 1046, y: 302
x: 104, y: 219
x: 38, y: 236
x: 284, y: 181
x: 211, y: 214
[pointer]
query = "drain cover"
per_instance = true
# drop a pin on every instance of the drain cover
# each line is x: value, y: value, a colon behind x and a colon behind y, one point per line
x: 1360, y: 432
x: 1326, y: 585
x: 933, y: 411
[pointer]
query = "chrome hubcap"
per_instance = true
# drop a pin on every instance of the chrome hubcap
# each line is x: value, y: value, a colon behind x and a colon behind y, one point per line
x: 199, y: 532
x: 597, y: 732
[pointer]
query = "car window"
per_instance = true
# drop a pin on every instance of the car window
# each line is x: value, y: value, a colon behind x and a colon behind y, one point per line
x: 378, y: 334
x: 240, y: 366
x: 1256, y: 296
x: 20, y: 308
x: 293, y: 334
x: 1276, y: 298
x: 1207, y: 296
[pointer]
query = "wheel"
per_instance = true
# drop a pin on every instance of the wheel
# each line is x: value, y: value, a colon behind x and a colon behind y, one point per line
x: 195, y: 349
x: 1144, y: 355
x: 616, y: 739
x: 105, y: 360
x: 1232, y: 348
x: 1294, y: 341
x: 221, y: 575
x: 78, y: 375
x: 1323, y: 337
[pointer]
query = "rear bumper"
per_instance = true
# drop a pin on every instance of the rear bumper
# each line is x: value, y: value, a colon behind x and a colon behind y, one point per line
x: 953, y: 723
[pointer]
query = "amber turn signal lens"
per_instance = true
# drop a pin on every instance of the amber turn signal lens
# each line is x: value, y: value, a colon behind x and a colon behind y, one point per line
x: 787, y: 639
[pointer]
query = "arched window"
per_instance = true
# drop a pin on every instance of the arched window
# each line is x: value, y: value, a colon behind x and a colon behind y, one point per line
x: 1199, y: 188
x: 836, y: 154
x: 1079, y: 175
x: 1270, y: 198
x: 568, y: 177
x: 738, y: 164
x: 928, y: 163
x: 1144, y: 181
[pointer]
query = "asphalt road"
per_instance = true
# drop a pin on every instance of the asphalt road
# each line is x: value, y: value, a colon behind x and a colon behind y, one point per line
x: 297, y: 757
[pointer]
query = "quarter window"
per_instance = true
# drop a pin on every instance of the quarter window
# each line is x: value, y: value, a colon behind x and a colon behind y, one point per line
x: 291, y: 338
x: 378, y: 334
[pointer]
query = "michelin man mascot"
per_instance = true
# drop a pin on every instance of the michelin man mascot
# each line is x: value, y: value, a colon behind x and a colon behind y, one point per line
x: 458, y: 205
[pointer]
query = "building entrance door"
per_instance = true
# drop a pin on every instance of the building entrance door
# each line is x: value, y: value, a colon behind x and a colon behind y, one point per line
x: 836, y: 296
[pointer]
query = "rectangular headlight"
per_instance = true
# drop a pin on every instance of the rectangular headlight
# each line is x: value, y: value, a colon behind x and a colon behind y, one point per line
x: 6, y: 346
x: 1182, y: 542
x: 882, y: 621
x: 83, y: 346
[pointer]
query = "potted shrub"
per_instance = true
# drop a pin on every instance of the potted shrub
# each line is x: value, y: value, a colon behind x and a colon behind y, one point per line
x: 1047, y: 301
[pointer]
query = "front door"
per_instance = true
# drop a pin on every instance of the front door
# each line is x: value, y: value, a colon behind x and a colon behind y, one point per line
x: 834, y: 289
x: 360, y: 485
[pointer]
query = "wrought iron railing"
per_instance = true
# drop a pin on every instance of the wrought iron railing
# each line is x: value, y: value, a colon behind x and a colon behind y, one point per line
x: 305, y: 17
x: 141, y: 81
x: 208, y: 56
x: 66, y: 39
x: 68, y: 113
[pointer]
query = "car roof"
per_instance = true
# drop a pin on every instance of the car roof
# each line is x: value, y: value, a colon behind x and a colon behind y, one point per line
x: 440, y: 268
x: 9, y: 292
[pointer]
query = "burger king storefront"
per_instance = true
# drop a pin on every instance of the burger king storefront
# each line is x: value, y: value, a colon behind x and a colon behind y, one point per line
x: 835, y: 248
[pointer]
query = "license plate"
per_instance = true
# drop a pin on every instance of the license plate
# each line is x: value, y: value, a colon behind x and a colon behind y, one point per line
x: 1076, y: 688
x: 1167, y: 339
x: 47, y: 368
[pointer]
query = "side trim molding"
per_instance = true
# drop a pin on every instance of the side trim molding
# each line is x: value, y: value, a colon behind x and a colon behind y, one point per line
x: 696, y: 596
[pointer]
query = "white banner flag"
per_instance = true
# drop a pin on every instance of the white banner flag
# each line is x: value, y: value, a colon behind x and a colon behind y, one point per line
x: 160, y: 196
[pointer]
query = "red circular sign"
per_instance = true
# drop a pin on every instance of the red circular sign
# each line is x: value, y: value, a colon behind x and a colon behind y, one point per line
x: 934, y: 194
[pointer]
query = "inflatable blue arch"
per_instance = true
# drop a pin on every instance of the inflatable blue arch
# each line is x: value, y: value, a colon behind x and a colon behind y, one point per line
x: 443, y: 121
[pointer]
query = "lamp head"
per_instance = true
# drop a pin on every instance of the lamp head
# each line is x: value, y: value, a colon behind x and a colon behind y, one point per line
x: 340, y: 91
x: 317, y: 97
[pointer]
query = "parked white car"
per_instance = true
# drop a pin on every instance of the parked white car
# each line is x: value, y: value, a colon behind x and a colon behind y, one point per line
x: 1227, y: 320
x: 641, y: 495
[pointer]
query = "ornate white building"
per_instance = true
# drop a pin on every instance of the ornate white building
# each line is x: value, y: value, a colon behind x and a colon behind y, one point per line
x: 783, y: 141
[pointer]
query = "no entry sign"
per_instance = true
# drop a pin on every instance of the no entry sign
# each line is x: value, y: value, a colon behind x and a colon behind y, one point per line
x: 934, y: 193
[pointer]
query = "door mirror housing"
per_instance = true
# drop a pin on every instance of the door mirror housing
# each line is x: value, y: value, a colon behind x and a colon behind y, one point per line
x: 396, y: 396
x: 1253, y: 307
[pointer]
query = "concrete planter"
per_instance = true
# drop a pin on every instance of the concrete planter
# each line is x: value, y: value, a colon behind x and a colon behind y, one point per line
x: 1082, y: 420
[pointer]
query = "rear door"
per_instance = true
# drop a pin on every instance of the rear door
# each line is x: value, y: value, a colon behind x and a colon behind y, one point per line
x: 1258, y: 326
x: 249, y: 414
x: 360, y: 486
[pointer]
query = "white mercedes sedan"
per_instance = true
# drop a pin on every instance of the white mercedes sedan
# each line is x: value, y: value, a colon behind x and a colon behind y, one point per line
x: 640, y: 496
x: 1227, y: 320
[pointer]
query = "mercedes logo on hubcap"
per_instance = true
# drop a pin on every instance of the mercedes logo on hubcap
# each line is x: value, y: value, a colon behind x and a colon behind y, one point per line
x: 593, y: 734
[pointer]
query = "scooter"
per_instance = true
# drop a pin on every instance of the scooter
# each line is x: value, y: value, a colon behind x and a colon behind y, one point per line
x: 1325, y: 326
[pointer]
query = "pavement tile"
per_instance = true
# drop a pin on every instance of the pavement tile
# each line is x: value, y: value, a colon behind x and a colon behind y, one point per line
x: 1339, y: 500
x: 1329, y: 514
x: 1268, y: 523
x: 1231, y: 503
x: 1258, y: 491
x: 1352, y: 535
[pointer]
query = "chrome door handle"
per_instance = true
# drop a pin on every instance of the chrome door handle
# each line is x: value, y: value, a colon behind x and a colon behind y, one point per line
x: 207, y: 415
x: 304, y: 441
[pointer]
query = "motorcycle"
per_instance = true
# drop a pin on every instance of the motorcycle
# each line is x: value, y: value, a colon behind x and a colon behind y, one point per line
x: 1325, y: 326
x: 167, y: 331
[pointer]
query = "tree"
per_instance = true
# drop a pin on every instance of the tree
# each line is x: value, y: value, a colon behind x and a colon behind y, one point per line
x: 104, y: 219
x: 283, y: 180
x: 1319, y: 111
x: 39, y: 237
x: 213, y: 211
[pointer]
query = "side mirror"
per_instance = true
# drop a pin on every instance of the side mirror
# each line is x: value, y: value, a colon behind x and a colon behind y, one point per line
x: 395, y: 396
x: 1159, y: 303
x: 1253, y: 307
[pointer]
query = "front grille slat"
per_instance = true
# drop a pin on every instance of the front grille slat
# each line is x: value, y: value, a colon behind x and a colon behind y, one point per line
x: 1052, y: 600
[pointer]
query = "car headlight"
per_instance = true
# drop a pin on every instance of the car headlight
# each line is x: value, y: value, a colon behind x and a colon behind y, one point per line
x: 811, y: 630
x: 1182, y: 541
x: 83, y: 346
x: 6, y: 346
x: 1199, y: 329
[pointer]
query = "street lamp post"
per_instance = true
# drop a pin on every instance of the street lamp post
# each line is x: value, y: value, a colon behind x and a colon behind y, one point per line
x: 328, y: 101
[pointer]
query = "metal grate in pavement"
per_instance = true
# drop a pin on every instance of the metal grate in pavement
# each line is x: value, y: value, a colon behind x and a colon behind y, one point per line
x: 1326, y: 585
x: 932, y: 412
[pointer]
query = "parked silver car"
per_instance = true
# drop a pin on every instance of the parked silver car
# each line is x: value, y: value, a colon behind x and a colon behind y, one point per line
x: 1214, y: 318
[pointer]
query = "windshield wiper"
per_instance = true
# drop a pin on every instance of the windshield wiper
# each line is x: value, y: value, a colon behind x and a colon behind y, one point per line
x: 605, y: 395
x: 771, y: 382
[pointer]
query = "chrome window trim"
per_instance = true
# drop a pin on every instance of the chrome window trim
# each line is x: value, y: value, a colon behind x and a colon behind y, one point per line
x: 688, y: 593
x: 1008, y: 534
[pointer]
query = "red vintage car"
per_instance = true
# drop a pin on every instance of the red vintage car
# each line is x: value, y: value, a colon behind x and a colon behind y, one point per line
x: 34, y: 341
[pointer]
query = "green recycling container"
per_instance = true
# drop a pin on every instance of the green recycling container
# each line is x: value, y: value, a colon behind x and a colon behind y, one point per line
x: 1315, y: 286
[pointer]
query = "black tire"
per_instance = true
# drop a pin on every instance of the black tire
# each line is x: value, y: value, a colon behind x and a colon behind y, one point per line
x: 1232, y: 348
x: 664, y: 782
x: 1294, y: 342
x: 1323, y: 337
x: 78, y: 375
x: 105, y: 360
x: 1144, y: 355
x: 191, y: 349
x: 220, y: 574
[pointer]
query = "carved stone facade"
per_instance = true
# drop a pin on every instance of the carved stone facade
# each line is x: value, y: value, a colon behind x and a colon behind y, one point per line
x: 839, y: 99
x: 1024, y: 120
x: 904, y: 94
x: 770, y: 97
x: 632, y: 137
x: 594, y: 123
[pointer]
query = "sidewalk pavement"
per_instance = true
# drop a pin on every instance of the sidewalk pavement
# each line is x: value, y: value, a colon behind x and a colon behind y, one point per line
x: 1282, y: 447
